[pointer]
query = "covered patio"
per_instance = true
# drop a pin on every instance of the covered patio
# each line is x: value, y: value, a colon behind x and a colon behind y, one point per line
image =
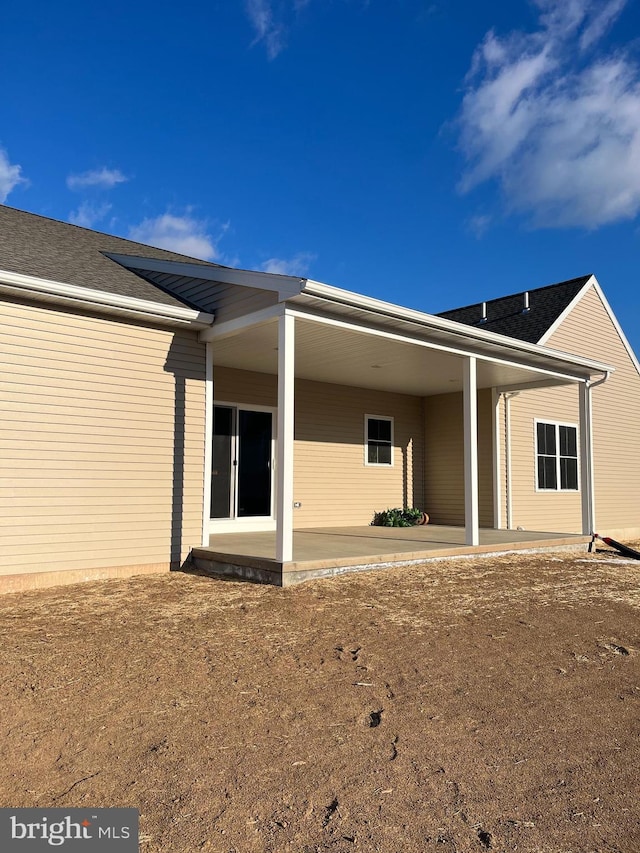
x: 327, y: 551
x: 324, y: 335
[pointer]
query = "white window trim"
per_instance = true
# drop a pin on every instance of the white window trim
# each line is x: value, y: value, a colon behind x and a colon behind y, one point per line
x: 368, y: 464
x: 555, y: 424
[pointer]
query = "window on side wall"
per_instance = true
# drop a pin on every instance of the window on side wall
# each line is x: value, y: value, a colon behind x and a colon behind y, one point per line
x: 378, y: 440
x: 556, y: 457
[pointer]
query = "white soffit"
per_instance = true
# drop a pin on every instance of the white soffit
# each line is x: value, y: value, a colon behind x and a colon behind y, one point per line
x: 284, y: 285
x: 447, y: 334
x: 330, y: 354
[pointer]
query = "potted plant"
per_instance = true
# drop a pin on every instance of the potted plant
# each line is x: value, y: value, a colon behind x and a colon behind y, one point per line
x: 397, y: 517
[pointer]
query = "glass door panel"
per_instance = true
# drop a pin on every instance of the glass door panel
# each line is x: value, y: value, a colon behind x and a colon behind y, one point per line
x: 222, y: 462
x: 254, y: 463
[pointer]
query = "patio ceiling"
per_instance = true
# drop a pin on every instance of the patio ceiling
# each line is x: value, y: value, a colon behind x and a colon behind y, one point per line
x: 346, y: 338
x: 334, y: 354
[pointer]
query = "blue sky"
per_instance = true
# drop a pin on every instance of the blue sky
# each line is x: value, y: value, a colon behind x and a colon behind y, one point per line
x: 428, y: 153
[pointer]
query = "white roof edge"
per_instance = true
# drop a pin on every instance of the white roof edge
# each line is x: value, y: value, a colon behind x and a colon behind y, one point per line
x: 91, y: 298
x: 616, y: 324
x: 284, y: 285
x: 564, y: 314
x: 347, y: 297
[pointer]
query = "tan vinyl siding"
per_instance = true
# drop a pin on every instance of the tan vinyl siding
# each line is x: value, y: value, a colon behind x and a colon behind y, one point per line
x: 330, y: 476
x: 95, y: 416
x: 244, y: 386
x: 485, y: 457
x: 444, y: 458
x: 331, y: 480
x: 226, y: 301
x: 558, y: 512
x: 588, y: 331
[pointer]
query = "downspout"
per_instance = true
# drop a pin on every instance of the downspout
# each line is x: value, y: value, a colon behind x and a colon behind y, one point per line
x: 600, y: 381
x: 507, y: 454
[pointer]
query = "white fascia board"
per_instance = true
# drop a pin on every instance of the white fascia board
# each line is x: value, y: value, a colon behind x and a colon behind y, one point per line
x: 285, y: 286
x: 563, y: 316
x: 592, y: 282
x: 388, y: 309
x: 616, y: 324
x: 88, y: 298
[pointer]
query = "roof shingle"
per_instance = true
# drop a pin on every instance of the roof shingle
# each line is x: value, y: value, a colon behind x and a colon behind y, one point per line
x: 46, y: 248
x: 506, y: 316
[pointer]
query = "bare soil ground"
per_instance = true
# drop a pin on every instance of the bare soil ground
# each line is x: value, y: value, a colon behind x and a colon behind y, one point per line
x: 464, y: 705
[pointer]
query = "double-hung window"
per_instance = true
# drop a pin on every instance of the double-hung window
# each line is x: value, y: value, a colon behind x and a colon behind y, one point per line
x: 556, y: 457
x: 378, y: 440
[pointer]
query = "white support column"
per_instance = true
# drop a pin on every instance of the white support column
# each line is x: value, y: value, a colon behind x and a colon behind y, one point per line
x: 507, y: 458
x: 497, y: 459
x: 284, y: 463
x: 470, y: 396
x: 208, y: 442
x: 586, y: 461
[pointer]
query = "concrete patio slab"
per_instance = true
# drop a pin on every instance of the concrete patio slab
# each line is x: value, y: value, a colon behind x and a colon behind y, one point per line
x: 325, y: 551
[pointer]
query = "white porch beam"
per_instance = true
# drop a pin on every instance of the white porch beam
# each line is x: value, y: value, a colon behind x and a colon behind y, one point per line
x: 531, y: 386
x: 587, y: 490
x: 227, y: 328
x: 284, y: 461
x: 470, y: 397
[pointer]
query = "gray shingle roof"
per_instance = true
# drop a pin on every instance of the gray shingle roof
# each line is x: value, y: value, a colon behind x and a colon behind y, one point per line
x: 505, y: 315
x: 46, y: 248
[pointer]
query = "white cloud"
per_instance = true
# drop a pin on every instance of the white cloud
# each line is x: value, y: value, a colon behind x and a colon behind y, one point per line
x: 10, y: 176
x: 298, y: 265
x: 556, y: 126
x: 271, y: 20
x: 267, y: 28
x: 182, y: 234
x: 102, y: 178
x: 88, y: 214
x: 479, y: 224
x: 601, y: 22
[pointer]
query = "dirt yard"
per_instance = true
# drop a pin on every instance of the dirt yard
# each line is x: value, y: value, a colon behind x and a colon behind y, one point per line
x: 469, y: 705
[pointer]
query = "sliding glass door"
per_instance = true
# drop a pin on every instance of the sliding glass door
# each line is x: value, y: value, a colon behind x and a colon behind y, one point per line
x: 241, y: 474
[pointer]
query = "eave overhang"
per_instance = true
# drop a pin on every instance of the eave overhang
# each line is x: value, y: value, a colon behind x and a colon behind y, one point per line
x: 284, y: 285
x: 101, y: 302
x: 456, y: 337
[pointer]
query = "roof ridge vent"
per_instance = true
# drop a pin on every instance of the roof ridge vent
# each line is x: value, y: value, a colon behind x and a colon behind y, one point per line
x: 526, y: 307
